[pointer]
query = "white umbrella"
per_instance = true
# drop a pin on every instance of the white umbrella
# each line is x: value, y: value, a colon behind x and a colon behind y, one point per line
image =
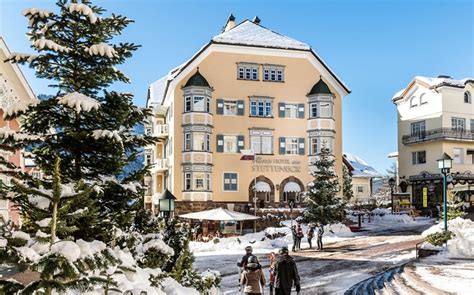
x: 219, y: 214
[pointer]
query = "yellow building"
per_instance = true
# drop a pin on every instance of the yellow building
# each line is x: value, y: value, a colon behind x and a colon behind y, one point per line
x: 248, y: 88
x: 363, y: 176
x: 435, y: 116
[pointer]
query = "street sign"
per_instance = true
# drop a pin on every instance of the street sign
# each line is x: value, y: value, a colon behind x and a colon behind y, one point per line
x: 425, y: 197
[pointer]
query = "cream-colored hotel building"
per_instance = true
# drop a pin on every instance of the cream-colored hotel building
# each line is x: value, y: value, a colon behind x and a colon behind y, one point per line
x: 247, y: 88
x: 436, y: 116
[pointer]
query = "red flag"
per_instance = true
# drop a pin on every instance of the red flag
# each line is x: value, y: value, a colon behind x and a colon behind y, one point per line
x: 247, y: 155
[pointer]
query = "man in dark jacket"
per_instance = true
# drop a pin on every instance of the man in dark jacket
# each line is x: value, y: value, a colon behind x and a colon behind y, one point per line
x: 286, y: 274
x: 295, y: 238
x: 320, y: 236
x: 245, y: 258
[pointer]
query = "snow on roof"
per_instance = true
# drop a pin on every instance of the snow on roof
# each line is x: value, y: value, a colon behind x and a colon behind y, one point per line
x: 433, y: 83
x: 250, y: 33
x: 393, y: 155
x: 157, y: 90
x: 361, y: 168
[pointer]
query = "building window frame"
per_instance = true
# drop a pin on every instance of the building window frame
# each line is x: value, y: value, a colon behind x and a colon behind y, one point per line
x: 458, y: 124
x: 418, y: 158
x: 232, y: 110
x: 291, y: 110
x: 273, y: 73
x: 313, y: 145
x: 467, y: 97
x: 418, y: 128
x: 191, y: 103
x: 291, y: 145
x: 248, y: 71
x: 228, y: 184
x: 261, y: 107
x: 261, y: 142
x: 234, y: 141
x: 321, y: 109
x: 458, y: 156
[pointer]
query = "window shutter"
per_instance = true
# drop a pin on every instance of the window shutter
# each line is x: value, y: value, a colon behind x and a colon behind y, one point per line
x: 301, y: 146
x: 240, y: 107
x: 282, y: 145
x: 281, y: 109
x: 220, y: 143
x: 240, y: 143
x: 301, y: 110
x: 219, y: 106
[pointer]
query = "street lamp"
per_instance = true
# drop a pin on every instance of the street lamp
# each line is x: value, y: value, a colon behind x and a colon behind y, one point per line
x: 445, y: 164
x: 167, y: 205
x: 391, y: 183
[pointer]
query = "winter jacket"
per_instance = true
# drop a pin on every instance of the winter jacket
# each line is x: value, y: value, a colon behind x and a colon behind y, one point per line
x: 299, y: 233
x: 286, y: 274
x: 244, y: 260
x: 294, y: 233
x: 252, y: 279
x: 320, y: 231
x: 310, y: 233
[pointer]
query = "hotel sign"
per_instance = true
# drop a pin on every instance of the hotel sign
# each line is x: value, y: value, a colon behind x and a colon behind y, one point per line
x: 276, y: 165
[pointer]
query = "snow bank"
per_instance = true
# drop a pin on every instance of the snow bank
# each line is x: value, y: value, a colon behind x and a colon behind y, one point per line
x: 462, y: 244
x: 396, y: 218
x: 84, y: 10
x: 382, y: 211
x: 79, y: 101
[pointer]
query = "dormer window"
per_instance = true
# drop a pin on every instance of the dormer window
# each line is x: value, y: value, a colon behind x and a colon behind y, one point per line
x: 247, y: 71
x: 423, y: 99
x: 467, y: 97
x: 274, y: 73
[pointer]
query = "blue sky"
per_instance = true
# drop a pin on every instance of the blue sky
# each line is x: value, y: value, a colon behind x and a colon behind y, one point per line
x: 375, y: 46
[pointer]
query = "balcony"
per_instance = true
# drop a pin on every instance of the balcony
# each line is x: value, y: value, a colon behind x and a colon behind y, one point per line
x: 439, y: 134
x: 161, y: 130
x: 160, y: 165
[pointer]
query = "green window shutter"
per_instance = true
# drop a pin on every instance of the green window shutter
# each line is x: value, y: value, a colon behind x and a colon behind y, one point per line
x: 301, y: 110
x: 220, y: 143
x: 240, y: 143
x: 240, y: 107
x: 301, y: 146
x: 282, y: 146
x: 281, y: 109
x: 219, y: 106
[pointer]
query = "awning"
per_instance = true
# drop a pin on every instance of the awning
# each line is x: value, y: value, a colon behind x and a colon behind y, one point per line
x: 219, y: 214
x: 262, y: 186
x: 292, y: 187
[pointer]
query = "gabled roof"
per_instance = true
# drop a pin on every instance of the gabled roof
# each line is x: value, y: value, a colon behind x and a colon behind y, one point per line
x: 361, y: 168
x: 250, y: 33
x: 433, y: 83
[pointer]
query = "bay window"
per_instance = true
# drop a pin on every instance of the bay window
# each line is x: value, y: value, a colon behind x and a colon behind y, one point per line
x: 197, y: 181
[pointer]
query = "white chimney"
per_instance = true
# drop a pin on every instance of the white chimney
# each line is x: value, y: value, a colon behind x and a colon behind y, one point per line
x: 230, y: 23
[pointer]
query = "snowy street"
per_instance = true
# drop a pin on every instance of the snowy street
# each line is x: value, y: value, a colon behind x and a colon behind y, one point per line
x: 340, y: 266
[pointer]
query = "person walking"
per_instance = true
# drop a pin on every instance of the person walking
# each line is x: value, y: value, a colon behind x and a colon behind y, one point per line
x: 299, y: 237
x: 285, y: 274
x: 295, y: 239
x: 320, y: 236
x: 253, y: 278
x: 271, y: 268
x: 310, y: 235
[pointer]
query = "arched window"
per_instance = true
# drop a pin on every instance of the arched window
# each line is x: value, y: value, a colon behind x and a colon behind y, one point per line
x: 467, y: 97
x: 413, y: 102
x: 423, y: 99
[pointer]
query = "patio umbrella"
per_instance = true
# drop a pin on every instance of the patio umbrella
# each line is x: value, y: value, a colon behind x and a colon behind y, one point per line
x: 219, y: 214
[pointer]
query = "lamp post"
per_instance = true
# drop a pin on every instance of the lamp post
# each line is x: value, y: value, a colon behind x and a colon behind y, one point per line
x: 445, y: 164
x: 167, y: 205
x: 291, y: 204
x: 391, y: 183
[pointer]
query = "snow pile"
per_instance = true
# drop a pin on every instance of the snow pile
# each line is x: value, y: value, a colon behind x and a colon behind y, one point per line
x: 33, y: 12
x: 462, y: 244
x: 50, y: 44
x: 79, y: 101
x: 102, y: 49
x: 84, y: 10
x: 382, y: 211
x: 68, y: 249
x: 99, y: 133
x: 395, y: 218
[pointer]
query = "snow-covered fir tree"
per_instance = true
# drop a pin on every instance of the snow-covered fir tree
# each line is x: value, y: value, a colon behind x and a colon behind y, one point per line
x: 347, y: 184
x: 81, y: 138
x: 322, y: 204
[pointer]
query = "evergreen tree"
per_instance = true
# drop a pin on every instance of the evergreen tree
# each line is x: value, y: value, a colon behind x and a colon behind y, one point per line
x: 347, y: 191
x: 322, y: 204
x: 91, y: 128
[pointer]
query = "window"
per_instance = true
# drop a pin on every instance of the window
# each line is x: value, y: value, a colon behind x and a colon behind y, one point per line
x: 291, y: 111
x: 230, y: 144
x: 197, y: 103
x: 199, y: 181
x: 321, y: 110
x: 187, y: 105
x: 148, y: 157
x: 458, y: 123
x: 187, y: 181
x: 260, y: 107
x: 313, y: 141
x: 230, y: 181
x: 261, y: 142
x: 199, y: 141
x: 360, y: 189
x: 467, y: 97
x: 418, y: 157
x: 273, y: 73
x: 413, y: 102
x: 187, y: 141
x: 418, y: 128
x: 472, y: 125
x: 247, y: 71
x: 458, y: 156
x: 423, y: 99
x: 291, y: 145
x: 230, y: 108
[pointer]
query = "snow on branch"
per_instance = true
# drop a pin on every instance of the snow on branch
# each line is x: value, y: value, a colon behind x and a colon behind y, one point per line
x: 33, y: 11
x: 97, y: 134
x: 21, y: 56
x: 79, y: 101
x: 50, y: 44
x: 102, y: 49
x: 17, y: 136
x: 84, y: 10
x: 17, y: 107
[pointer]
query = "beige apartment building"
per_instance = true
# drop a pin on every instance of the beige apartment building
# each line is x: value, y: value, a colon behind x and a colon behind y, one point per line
x: 435, y: 116
x: 363, y: 176
x: 248, y: 88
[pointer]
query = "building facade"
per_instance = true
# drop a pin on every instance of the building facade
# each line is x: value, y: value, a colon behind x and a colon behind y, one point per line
x: 363, y: 176
x: 435, y: 116
x: 249, y: 88
x: 13, y: 89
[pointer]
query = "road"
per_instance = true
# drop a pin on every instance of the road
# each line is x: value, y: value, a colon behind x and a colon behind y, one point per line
x: 338, y: 267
